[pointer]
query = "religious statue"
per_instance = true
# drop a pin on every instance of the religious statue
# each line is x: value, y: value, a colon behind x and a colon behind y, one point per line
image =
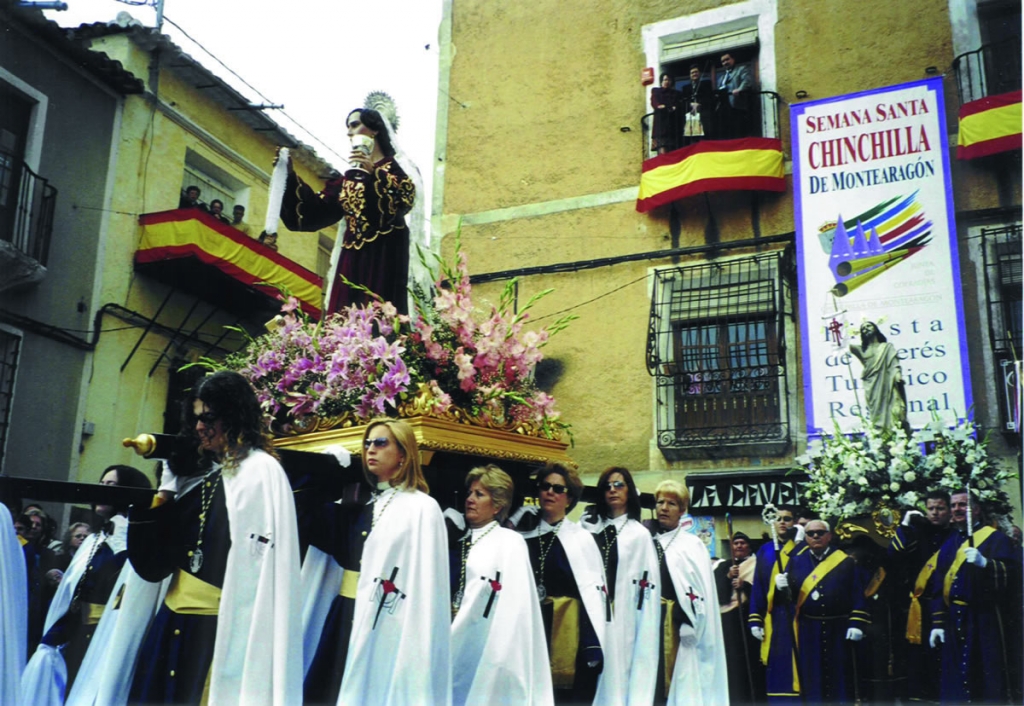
x: 882, y: 378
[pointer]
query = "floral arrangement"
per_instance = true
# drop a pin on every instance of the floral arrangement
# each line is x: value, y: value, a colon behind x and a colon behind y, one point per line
x: 368, y: 360
x: 855, y: 474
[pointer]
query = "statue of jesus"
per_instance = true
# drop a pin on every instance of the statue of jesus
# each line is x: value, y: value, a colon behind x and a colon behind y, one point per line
x: 882, y: 378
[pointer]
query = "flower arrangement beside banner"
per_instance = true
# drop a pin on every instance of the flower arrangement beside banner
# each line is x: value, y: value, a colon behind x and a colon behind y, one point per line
x: 366, y: 361
x: 857, y: 474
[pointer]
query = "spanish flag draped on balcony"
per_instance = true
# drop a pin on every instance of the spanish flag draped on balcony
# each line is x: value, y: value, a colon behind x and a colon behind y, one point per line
x: 214, y: 249
x: 746, y: 164
x: 989, y: 126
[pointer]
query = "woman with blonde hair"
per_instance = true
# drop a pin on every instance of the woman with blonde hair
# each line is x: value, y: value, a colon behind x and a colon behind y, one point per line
x: 692, y: 624
x: 398, y: 652
x: 499, y: 653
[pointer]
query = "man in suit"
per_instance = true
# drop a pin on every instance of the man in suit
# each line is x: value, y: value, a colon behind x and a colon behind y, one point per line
x: 735, y: 89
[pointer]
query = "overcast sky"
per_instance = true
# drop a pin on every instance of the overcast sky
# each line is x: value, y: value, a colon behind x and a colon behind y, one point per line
x: 320, y: 58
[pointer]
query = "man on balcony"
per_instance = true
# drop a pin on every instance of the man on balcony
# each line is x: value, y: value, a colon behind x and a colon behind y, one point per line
x: 735, y: 92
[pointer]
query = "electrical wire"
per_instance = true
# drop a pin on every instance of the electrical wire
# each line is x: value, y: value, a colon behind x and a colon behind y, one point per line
x: 591, y: 301
x: 252, y: 88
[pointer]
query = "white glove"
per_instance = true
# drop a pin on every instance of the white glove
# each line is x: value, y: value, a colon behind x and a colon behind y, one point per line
x: 938, y: 635
x: 975, y: 557
x: 758, y: 632
x: 799, y: 536
x: 854, y: 634
x: 341, y: 453
x: 909, y: 516
x: 782, y: 581
x: 168, y: 481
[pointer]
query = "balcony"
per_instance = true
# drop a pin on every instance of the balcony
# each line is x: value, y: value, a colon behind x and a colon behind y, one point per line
x: 192, y: 252
x: 990, y: 70
x: 762, y: 121
x: 27, y: 203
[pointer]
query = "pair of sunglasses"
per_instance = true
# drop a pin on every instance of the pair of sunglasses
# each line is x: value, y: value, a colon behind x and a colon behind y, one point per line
x: 617, y: 484
x: 556, y: 488
x: 816, y: 533
x: 380, y: 442
x: 207, y: 418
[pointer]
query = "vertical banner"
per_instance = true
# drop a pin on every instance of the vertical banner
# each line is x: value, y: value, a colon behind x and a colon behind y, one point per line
x: 876, y: 241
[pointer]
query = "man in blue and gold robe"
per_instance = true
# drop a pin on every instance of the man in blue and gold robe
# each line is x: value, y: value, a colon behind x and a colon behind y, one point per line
x: 971, y: 589
x: 830, y: 610
x: 771, y: 619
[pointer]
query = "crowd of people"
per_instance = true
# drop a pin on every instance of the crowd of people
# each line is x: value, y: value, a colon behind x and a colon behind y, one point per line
x: 190, y: 198
x: 703, y: 111
x: 229, y: 588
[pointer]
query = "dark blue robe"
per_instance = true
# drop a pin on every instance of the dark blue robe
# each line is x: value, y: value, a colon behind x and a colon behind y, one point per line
x: 835, y: 604
x: 779, y: 675
x: 175, y: 657
x: 974, y: 667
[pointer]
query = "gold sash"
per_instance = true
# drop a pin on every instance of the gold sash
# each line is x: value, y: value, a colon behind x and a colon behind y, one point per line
x: 92, y: 612
x: 565, y: 639
x: 979, y: 538
x: 670, y: 631
x: 349, y: 581
x: 189, y: 595
x: 767, y: 642
x: 914, y: 617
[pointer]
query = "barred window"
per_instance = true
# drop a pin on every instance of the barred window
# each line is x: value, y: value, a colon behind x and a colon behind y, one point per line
x: 716, y: 349
x: 10, y: 347
x: 1001, y: 251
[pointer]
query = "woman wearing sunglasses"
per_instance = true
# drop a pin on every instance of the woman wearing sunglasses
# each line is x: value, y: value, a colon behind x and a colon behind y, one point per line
x: 571, y: 586
x: 693, y: 627
x: 499, y: 653
x: 631, y: 567
x: 398, y: 652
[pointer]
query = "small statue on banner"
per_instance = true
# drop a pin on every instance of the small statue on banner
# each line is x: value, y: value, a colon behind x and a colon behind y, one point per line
x: 882, y: 378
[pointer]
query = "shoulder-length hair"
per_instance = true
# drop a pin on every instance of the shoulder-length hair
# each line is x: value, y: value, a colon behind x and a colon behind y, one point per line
x: 231, y: 398
x: 632, y: 496
x: 372, y: 119
x: 572, y: 481
x: 410, y: 474
x: 496, y: 482
x: 677, y: 489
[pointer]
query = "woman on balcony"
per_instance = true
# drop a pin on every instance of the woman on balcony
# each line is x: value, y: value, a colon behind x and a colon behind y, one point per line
x: 373, y: 199
x: 631, y: 567
x: 666, y: 102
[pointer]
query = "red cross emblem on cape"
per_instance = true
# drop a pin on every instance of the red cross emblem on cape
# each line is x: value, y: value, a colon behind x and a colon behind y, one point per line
x: 386, y: 596
x: 495, y: 589
x: 643, y: 588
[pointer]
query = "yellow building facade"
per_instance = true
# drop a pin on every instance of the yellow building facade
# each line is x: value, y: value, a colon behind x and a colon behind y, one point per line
x: 543, y: 130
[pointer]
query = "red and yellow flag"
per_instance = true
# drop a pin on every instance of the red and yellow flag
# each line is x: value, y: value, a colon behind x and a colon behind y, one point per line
x: 989, y: 125
x: 170, y: 235
x: 747, y: 164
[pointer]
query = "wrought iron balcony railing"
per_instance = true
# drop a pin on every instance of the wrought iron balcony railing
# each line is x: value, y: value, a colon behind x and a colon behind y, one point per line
x: 989, y: 70
x: 27, y: 203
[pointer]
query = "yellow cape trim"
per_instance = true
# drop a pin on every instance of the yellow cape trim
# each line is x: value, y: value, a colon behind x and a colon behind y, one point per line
x: 914, y: 617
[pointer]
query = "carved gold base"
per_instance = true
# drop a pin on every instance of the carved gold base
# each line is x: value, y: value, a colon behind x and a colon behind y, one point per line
x: 441, y: 435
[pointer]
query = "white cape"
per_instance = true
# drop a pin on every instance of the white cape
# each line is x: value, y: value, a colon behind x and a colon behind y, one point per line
x: 399, y: 651
x: 13, y: 610
x: 699, y: 675
x: 45, y: 678
x: 259, y: 626
x: 637, y: 620
x: 132, y: 605
x: 500, y: 658
x: 321, y: 582
x: 588, y: 570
